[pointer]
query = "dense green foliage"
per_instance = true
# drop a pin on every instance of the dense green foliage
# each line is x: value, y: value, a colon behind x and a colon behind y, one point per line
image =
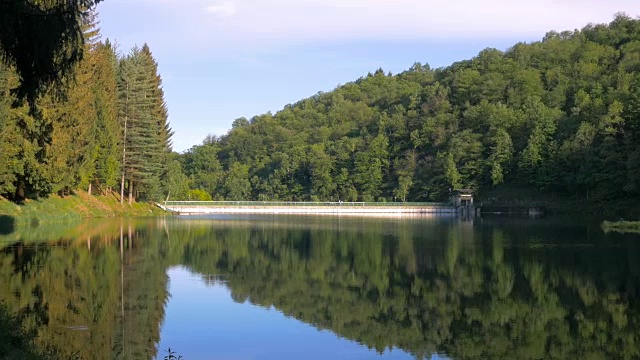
x: 55, y: 26
x: 109, y: 127
x: 143, y: 115
x: 483, y: 291
x: 561, y: 115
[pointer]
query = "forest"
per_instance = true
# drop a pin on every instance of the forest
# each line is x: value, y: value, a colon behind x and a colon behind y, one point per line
x: 102, y: 127
x: 560, y: 115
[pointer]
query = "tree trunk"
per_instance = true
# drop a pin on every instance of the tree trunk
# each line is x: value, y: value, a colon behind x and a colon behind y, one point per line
x: 124, y: 152
x: 19, y: 195
x: 122, y: 189
x: 130, y: 192
x: 89, y: 191
x: 122, y: 280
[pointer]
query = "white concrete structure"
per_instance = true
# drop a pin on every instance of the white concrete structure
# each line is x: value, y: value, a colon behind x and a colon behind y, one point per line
x: 202, y: 208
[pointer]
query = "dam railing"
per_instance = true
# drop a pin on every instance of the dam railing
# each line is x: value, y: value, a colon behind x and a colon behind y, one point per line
x: 301, y: 203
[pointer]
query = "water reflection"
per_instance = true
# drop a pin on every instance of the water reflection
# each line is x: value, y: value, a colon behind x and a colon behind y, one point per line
x: 97, y: 292
x: 470, y: 290
x: 204, y: 322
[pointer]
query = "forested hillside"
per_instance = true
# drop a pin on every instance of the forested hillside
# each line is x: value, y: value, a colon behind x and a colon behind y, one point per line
x: 561, y: 115
x: 106, y: 125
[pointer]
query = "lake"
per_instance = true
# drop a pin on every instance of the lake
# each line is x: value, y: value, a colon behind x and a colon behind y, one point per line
x: 286, y: 287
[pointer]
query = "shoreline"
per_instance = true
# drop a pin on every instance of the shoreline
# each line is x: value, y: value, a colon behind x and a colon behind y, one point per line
x: 56, y: 209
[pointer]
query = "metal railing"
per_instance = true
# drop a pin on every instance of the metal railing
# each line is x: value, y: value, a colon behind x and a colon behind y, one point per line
x: 298, y: 203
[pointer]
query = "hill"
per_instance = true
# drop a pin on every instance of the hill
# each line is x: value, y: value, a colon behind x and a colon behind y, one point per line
x: 560, y: 115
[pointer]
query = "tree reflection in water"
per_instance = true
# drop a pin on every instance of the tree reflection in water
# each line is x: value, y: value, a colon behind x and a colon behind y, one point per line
x: 499, y: 290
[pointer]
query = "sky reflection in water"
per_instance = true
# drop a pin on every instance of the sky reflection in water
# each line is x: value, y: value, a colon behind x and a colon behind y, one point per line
x: 202, y: 321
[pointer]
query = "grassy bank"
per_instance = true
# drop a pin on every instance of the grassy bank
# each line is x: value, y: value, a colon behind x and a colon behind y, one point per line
x: 621, y: 226
x: 74, y: 207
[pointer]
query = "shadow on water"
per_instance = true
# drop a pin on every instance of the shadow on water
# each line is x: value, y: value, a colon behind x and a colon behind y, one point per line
x: 7, y: 224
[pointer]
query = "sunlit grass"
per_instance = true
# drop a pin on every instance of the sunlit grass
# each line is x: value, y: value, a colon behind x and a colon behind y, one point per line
x: 74, y: 207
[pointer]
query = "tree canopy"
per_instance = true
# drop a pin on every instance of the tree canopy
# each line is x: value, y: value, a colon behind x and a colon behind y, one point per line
x: 558, y: 115
x: 111, y: 127
x: 42, y: 39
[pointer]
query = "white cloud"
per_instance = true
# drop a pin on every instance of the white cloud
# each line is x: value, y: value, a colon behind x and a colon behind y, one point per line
x: 223, y: 10
x: 251, y: 25
x: 398, y: 19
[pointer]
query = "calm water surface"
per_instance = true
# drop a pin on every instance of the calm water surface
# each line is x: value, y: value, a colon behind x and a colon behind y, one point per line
x: 246, y: 287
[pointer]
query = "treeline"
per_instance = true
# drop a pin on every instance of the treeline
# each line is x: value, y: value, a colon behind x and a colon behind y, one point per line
x: 560, y: 115
x: 105, y: 128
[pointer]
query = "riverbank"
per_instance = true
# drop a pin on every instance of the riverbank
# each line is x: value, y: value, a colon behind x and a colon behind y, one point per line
x: 74, y: 207
x: 621, y: 226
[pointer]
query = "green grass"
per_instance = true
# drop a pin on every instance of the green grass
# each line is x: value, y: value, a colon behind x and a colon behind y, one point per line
x: 621, y: 226
x: 56, y: 209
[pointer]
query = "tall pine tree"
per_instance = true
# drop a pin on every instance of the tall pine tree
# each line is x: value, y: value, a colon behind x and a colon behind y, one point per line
x: 143, y: 117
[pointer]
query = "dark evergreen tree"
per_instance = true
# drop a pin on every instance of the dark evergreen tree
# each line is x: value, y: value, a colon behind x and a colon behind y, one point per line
x: 143, y: 117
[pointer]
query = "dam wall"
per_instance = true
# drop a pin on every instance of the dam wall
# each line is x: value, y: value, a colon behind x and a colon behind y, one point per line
x: 202, y: 209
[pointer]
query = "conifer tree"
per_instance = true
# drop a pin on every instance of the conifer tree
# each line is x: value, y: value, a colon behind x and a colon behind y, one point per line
x: 71, y: 153
x: 143, y: 117
x: 106, y: 129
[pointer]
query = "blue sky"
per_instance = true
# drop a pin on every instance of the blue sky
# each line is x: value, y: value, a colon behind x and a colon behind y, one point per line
x: 224, y: 59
